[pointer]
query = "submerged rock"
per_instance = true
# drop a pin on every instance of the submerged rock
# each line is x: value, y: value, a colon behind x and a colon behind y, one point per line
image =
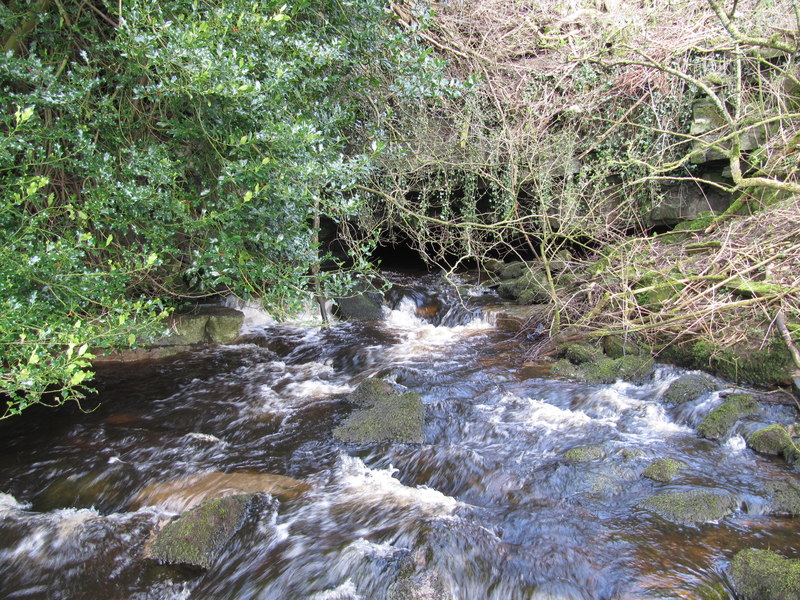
x: 689, y: 387
x: 428, y: 585
x: 187, y: 492
x: 718, y: 422
x: 687, y: 508
x: 784, y: 497
x: 663, y: 469
x: 584, y: 454
x: 774, y: 440
x: 197, y: 537
x: 765, y: 575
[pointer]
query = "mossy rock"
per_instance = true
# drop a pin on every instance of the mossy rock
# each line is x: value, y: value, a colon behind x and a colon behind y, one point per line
x: 718, y: 422
x: 687, y: 508
x: 604, y: 370
x: 514, y: 270
x: 581, y: 454
x: 203, y: 324
x: 224, y: 324
x: 617, y: 346
x: 197, y: 537
x: 764, y: 575
x: 768, y: 366
x: 578, y: 354
x: 367, y: 306
x: 776, y: 441
x: 663, y: 469
x: 371, y: 392
x: 784, y: 497
x: 687, y: 388
x: 530, y: 288
x: 393, y: 419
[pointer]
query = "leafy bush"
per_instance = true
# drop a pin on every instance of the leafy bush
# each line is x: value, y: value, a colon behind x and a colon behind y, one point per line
x: 177, y: 150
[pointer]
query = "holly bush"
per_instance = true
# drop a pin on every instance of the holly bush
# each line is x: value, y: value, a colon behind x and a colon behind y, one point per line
x: 177, y: 150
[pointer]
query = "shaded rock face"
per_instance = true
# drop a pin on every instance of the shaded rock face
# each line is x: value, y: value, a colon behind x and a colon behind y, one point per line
x: 687, y: 508
x: 185, y: 493
x: 366, y: 304
x: 764, y: 575
x: 383, y: 415
x: 689, y: 387
x: 663, y: 469
x: 204, y: 324
x: 719, y: 421
x: 198, y: 537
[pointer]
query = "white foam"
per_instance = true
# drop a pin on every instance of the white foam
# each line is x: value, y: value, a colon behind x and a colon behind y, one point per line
x: 736, y: 444
x: 203, y: 437
x: 346, y: 591
x: 10, y: 504
x: 371, y: 486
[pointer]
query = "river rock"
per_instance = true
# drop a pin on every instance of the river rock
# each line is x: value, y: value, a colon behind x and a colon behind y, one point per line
x: 687, y: 508
x: 784, y: 497
x: 203, y: 324
x: 689, y: 387
x: 365, y: 304
x: 428, y: 585
x: 605, y: 370
x: 185, y: 493
x: 663, y: 469
x: 774, y: 440
x: 582, y: 454
x: 198, y: 536
x: 617, y: 346
x: 718, y: 422
x: 382, y: 415
x: 765, y: 575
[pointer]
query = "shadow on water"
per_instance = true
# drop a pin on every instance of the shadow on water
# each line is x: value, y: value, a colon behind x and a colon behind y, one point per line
x: 488, y: 502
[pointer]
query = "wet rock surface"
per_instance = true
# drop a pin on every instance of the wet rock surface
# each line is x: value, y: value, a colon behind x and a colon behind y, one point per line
x: 765, y: 575
x: 695, y: 506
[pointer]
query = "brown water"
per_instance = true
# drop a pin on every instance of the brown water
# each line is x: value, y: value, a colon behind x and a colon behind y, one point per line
x: 488, y: 497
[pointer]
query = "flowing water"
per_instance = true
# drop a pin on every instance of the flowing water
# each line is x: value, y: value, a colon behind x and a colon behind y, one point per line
x: 487, y: 501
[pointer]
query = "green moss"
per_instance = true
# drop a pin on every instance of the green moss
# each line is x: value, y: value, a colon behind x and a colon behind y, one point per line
x: 719, y: 421
x: 784, y: 497
x: 394, y: 419
x: 663, y: 469
x: 565, y: 369
x: 582, y: 353
x: 583, y: 454
x: 752, y: 289
x: 687, y: 388
x: 197, y: 537
x: 371, y: 391
x: 617, y: 346
x: 635, y: 369
x: 768, y: 366
x: 687, y: 508
x: 765, y: 575
x: 606, y: 370
x: 774, y: 440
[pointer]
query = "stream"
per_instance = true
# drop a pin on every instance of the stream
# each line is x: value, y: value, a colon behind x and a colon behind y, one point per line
x: 487, y: 502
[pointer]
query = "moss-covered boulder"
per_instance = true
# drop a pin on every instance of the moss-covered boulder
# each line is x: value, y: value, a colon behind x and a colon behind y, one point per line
x: 718, y: 422
x: 514, y: 270
x: 776, y: 441
x: 578, y: 354
x: 687, y: 508
x: 663, y: 469
x: 689, y: 387
x: 361, y: 306
x: 784, y: 497
x: 370, y: 392
x: 582, y: 454
x: 604, y: 370
x: 764, y: 575
x: 617, y: 346
x: 198, y: 536
x: 749, y: 362
x: 383, y: 415
x: 203, y: 324
x: 530, y: 288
